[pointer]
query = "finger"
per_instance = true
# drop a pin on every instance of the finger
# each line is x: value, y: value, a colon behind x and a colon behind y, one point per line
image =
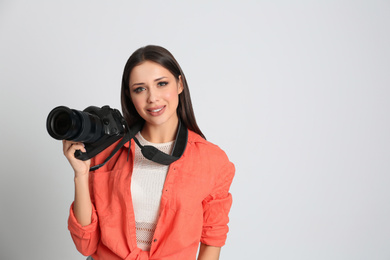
x: 66, y: 145
x: 78, y: 146
x: 71, y: 147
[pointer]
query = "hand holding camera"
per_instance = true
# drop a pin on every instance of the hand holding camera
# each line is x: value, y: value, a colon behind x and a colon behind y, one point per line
x: 80, y: 167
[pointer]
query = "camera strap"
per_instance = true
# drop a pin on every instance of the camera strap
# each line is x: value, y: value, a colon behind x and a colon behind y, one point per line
x: 148, y: 151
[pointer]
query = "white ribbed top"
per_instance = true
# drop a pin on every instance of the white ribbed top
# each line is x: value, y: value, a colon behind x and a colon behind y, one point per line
x: 147, y: 182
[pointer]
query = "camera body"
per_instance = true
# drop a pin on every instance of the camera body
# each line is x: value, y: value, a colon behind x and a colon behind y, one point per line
x: 97, y: 128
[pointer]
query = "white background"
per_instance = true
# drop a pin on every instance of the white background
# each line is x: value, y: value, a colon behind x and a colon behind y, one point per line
x: 296, y: 93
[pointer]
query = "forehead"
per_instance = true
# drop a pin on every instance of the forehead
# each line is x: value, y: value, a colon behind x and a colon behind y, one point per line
x: 148, y: 70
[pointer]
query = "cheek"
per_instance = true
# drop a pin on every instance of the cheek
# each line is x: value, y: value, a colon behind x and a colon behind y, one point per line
x: 172, y: 96
x: 137, y: 102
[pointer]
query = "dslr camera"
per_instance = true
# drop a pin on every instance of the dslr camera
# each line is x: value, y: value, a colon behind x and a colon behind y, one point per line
x: 97, y: 128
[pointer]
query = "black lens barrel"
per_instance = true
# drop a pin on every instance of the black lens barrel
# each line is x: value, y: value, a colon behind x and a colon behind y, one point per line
x: 64, y: 123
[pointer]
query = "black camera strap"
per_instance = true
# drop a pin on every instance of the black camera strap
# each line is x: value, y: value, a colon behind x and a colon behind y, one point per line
x: 151, y: 152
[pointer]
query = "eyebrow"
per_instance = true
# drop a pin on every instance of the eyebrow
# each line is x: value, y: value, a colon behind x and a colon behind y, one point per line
x: 141, y: 83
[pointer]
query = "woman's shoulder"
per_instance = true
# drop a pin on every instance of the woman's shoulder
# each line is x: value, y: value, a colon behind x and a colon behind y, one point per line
x: 205, y: 147
x: 194, y: 138
x: 209, y: 157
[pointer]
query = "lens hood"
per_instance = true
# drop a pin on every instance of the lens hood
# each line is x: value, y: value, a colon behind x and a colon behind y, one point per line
x: 62, y: 123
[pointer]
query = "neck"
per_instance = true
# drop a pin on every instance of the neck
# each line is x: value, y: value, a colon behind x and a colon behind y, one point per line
x: 160, y: 134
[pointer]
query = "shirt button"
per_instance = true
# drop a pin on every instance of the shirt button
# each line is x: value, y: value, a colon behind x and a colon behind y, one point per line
x: 155, y: 240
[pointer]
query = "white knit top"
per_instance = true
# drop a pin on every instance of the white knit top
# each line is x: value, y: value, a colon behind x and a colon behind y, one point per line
x: 147, y: 183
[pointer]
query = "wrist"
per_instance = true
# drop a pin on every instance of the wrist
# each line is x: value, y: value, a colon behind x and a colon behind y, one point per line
x: 80, y: 178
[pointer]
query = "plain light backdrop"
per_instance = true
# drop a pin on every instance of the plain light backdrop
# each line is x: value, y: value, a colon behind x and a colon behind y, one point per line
x: 296, y: 92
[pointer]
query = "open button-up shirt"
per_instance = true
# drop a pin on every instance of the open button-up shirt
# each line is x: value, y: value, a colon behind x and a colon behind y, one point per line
x: 194, y: 206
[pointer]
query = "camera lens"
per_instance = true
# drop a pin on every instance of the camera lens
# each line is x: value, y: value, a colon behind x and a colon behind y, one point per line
x: 64, y: 123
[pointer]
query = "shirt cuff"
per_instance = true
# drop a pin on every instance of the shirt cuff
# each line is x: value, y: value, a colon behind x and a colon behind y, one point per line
x: 82, y: 231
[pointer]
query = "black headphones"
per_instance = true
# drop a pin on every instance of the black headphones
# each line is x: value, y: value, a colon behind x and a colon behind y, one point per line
x: 151, y: 152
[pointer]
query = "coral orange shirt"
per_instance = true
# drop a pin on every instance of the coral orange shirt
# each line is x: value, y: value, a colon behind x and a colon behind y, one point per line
x: 194, y: 206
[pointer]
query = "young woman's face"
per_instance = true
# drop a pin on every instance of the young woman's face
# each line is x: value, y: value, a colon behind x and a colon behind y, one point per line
x: 155, y: 94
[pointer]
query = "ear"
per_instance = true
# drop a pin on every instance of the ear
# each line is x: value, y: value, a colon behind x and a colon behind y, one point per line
x: 180, y: 85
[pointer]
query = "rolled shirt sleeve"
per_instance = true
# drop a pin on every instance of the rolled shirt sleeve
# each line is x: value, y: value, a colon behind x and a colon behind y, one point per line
x: 216, y: 209
x: 86, y: 238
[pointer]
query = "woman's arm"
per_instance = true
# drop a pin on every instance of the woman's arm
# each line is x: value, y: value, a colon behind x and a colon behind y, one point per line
x: 82, y: 222
x: 82, y: 206
x: 208, y: 252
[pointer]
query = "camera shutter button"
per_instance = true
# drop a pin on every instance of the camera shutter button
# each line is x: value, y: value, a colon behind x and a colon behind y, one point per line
x: 106, y: 121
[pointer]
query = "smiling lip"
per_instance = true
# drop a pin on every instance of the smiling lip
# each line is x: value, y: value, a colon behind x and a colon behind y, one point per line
x: 156, y: 111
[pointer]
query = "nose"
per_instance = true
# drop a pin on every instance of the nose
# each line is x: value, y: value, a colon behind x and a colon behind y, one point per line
x: 152, y: 95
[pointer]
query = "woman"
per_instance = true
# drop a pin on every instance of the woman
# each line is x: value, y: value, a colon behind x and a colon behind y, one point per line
x: 140, y: 209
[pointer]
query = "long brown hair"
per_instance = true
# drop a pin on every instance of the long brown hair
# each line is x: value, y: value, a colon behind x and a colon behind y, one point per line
x: 163, y: 57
